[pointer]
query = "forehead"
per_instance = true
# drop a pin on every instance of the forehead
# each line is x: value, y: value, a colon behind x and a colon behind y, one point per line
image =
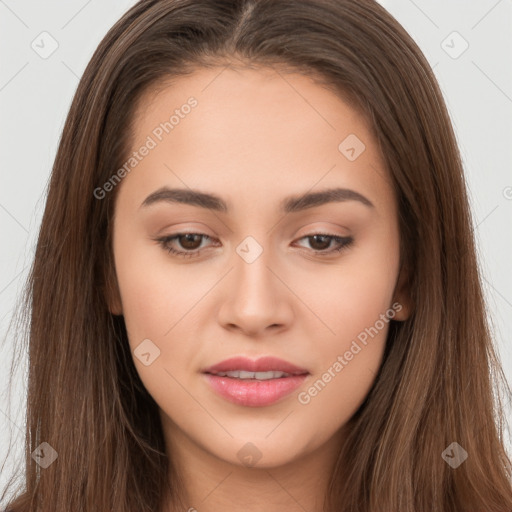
x: 242, y: 96
x: 259, y: 128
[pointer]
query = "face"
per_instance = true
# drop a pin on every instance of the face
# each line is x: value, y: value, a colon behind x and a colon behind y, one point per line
x: 267, y: 264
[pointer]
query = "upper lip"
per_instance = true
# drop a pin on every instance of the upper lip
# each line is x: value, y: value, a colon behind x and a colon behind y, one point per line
x: 263, y: 364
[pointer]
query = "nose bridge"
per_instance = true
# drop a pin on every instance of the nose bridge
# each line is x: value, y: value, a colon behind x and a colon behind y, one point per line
x: 255, y: 301
x: 251, y: 272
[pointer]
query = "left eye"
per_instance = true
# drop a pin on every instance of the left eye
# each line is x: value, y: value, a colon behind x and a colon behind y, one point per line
x: 189, y: 242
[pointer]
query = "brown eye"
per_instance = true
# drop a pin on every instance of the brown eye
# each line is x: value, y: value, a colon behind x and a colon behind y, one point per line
x: 190, y: 241
x: 319, y: 244
x: 186, y: 245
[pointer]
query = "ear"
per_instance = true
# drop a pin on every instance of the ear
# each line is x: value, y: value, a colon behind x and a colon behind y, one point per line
x: 114, y: 300
x: 112, y: 294
x: 402, y: 296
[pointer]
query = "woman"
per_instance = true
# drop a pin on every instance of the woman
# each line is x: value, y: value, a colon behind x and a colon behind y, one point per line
x: 255, y: 284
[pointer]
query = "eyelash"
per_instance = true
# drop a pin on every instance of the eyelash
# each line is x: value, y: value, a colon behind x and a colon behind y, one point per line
x: 344, y: 243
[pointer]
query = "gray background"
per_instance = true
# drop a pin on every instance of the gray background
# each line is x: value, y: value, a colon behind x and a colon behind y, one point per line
x: 36, y: 91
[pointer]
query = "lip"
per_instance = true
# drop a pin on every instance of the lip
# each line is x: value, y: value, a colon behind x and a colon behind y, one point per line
x: 253, y: 392
x: 263, y: 364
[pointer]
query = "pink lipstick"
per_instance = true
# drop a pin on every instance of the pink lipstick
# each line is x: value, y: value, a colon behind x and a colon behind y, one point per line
x: 244, y: 381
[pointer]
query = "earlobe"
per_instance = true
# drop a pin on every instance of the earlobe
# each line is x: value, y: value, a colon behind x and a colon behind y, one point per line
x: 112, y: 294
x: 114, y: 303
x: 402, y: 310
x: 402, y: 302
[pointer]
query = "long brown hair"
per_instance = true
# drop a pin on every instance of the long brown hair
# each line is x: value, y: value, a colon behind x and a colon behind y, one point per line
x: 438, y: 381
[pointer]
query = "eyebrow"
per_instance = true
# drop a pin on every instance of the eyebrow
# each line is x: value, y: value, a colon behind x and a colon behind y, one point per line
x: 287, y: 205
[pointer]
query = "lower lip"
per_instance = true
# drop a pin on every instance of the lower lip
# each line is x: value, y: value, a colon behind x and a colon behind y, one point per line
x: 254, y: 393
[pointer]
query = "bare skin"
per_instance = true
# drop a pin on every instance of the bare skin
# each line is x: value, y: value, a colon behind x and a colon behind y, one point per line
x: 254, y: 138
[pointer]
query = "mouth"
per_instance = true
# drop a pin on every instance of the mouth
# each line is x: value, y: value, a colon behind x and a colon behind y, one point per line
x: 254, y: 383
x: 245, y: 375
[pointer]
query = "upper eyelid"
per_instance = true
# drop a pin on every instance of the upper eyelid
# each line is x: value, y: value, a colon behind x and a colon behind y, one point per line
x: 205, y: 235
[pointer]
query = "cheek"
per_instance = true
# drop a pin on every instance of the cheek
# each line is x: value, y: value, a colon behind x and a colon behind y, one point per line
x: 350, y: 295
x: 353, y: 300
x: 347, y: 362
x: 335, y: 393
x: 155, y: 294
x: 159, y: 303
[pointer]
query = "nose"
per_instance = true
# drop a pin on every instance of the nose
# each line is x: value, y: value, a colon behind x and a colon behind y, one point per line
x: 256, y: 300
